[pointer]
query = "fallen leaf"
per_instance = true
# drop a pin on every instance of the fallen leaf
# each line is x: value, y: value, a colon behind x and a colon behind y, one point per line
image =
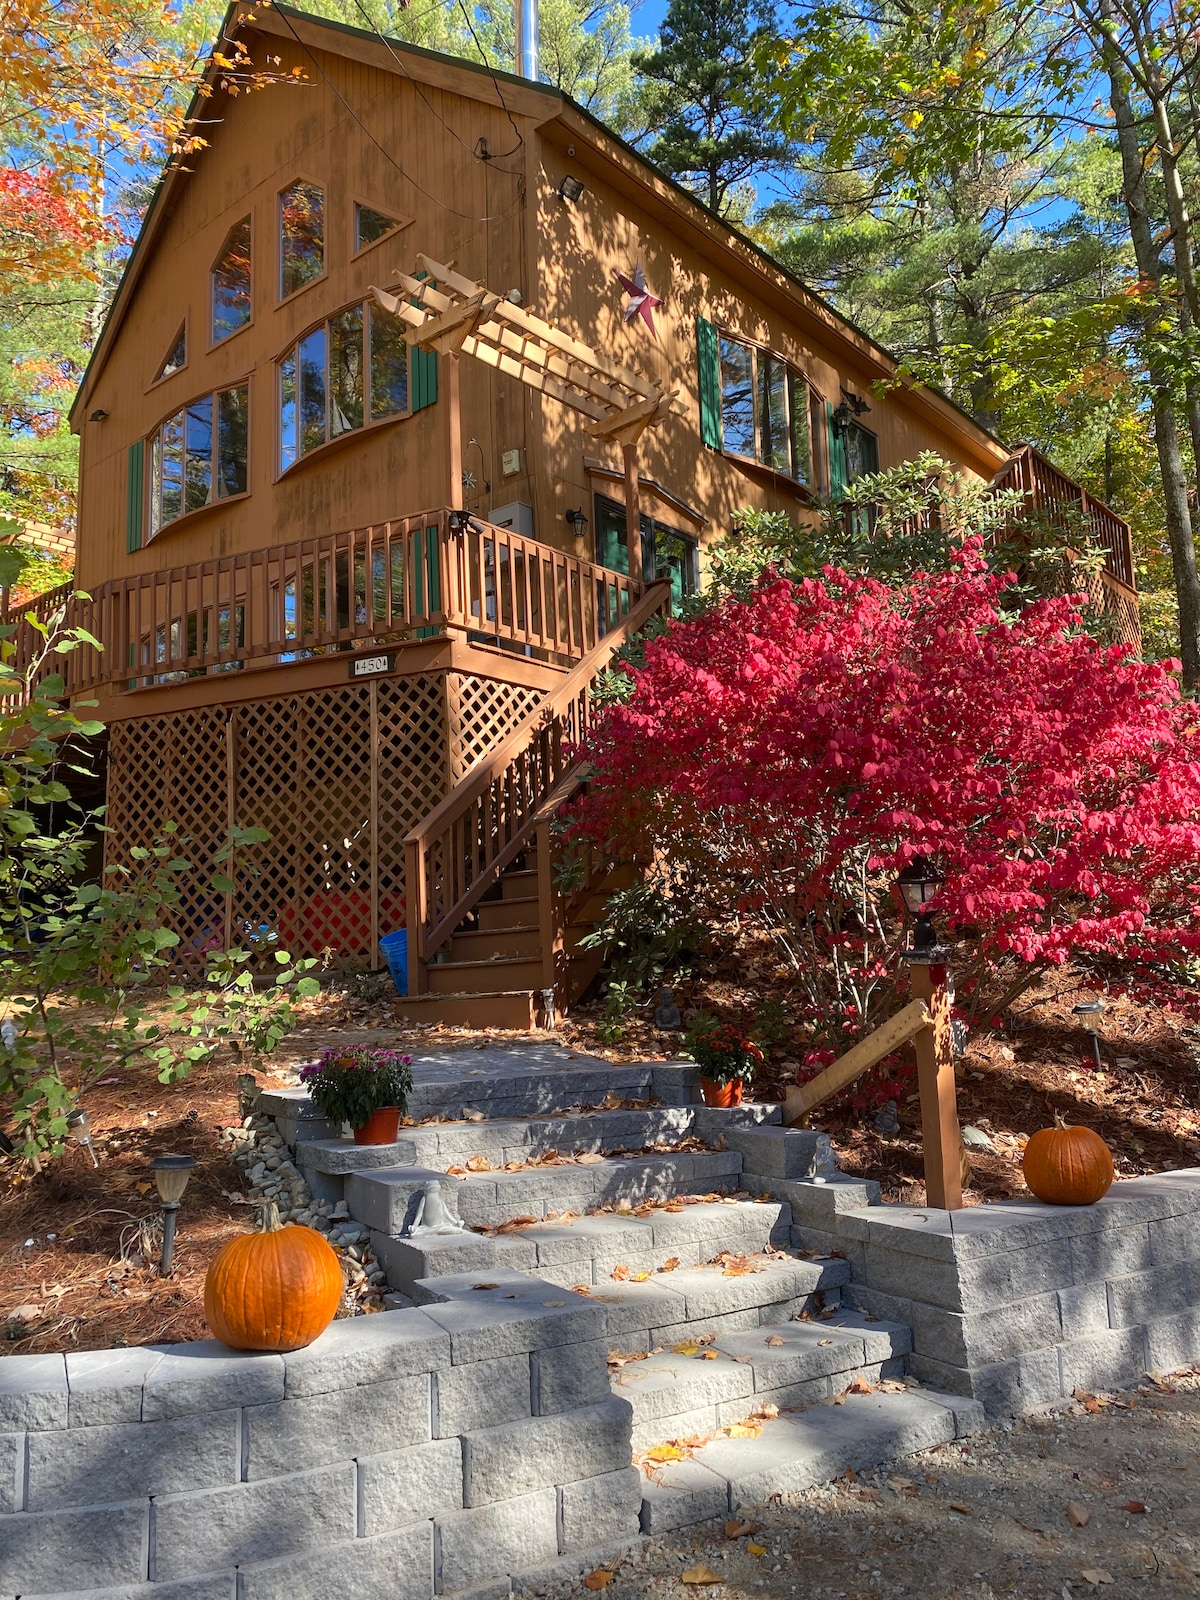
x: 963, y: 1511
x: 1078, y: 1515
x: 670, y: 1264
x: 589, y: 1158
x: 737, y: 1529
x: 600, y: 1579
x: 688, y: 1349
x: 478, y: 1164
x: 639, y: 1277
x: 485, y: 1286
x: 861, y: 1386
x: 700, y: 1574
x: 142, y: 1188
x: 1137, y: 1507
x: 26, y: 1313
x: 621, y: 1274
x: 850, y: 1475
x: 873, y: 1495
x: 665, y: 1452
x: 1096, y: 1575
x: 821, y: 1343
x: 456, y: 1172
x: 708, y: 1355
x: 554, y: 1303
x: 776, y: 1343
x: 743, y: 1430
x: 757, y: 1549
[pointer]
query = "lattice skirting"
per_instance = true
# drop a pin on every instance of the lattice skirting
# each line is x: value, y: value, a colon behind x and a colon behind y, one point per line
x: 336, y: 776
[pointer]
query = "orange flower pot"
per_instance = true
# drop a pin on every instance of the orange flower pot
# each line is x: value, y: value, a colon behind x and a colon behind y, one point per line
x: 381, y: 1127
x: 721, y: 1094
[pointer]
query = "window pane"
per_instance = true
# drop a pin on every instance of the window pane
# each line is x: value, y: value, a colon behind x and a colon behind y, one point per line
x: 156, y: 484
x: 312, y: 390
x: 345, y: 372
x: 772, y: 414
x: 798, y: 404
x: 288, y: 448
x: 176, y: 356
x: 233, y: 414
x: 389, y: 366
x: 737, y: 397
x: 231, y: 284
x: 301, y: 236
x: 197, y: 486
x: 370, y: 225
x: 172, y: 468
x: 862, y: 452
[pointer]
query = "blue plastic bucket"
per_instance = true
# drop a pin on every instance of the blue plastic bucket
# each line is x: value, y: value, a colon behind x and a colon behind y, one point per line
x: 395, y: 953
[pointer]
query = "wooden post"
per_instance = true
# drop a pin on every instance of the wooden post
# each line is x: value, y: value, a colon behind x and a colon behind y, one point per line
x: 940, y: 1132
x: 633, y: 515
x: 453, y: 435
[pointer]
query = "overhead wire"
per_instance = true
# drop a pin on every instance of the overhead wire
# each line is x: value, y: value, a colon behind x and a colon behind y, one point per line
x: 466, y: 216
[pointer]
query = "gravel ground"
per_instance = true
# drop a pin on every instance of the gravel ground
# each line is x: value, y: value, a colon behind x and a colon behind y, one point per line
x: 1102, y: 1498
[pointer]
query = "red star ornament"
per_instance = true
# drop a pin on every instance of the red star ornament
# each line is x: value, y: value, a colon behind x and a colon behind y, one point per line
x: 641, y: 301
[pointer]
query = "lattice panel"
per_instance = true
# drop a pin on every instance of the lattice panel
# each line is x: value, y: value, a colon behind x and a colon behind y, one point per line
x: 482, y: 711
x: 412, y: 777
x: 336, y: 776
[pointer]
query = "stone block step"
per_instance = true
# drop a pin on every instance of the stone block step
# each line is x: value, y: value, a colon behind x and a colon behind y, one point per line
x: 381, y: 1199
x: 688, y: 1390
x: 816, y: 1202
x: 794, y: 1452
x: 587, y: 1249
x: 672, y: 1307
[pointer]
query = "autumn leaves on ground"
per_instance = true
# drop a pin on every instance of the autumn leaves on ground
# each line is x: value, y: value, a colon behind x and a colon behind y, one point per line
x: 79, y: 1245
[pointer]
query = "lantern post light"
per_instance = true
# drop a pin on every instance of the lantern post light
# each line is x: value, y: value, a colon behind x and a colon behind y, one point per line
x: 79, y: 1127
x: 941, y: 1136
x: 171, y: 1174
x: 1091, y: 1008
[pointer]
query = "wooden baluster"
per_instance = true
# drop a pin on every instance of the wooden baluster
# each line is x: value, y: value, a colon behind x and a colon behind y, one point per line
x: 416, y: 892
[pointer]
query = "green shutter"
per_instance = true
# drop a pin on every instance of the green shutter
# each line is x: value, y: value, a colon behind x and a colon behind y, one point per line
x: 134, y: 496
x: 424, y: 379
x: 708, y: 348
x: 837, y: 457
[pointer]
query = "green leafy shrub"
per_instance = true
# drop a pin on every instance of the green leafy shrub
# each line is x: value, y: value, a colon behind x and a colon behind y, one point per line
x: 349, y: 1083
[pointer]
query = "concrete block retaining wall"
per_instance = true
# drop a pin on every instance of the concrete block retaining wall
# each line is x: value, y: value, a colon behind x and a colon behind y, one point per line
x: 1021, y: 1303
x: 404, y: 1455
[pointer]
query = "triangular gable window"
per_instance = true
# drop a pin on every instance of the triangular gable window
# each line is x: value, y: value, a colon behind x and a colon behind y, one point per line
x: 371, y: 225
x: 176, y: 357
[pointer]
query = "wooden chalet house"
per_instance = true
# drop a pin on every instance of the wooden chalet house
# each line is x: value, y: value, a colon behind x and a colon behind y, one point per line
x: 356, y: 557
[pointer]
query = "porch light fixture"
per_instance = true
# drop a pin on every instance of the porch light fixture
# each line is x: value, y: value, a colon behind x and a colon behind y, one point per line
x: 99, y: 415
x: 918, y: 883
x: 80, y: 1128
x: 852, y: 406
x: 463, y: 522
x: 171, y: 1174
x: 578, y: 521
x: 1091, y: 1008
x: 570, y: 189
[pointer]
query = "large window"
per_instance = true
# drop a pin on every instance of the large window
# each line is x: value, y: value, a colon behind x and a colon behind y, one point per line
x: 343, y: 374
x: 231, y: 283
x: 666, y: 552
x: 199, y: 455
x: 768, y: 411
x: 371, y: 225
x: 301, y: 236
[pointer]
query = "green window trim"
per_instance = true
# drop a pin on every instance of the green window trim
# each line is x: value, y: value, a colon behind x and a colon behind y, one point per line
x: 424, y: 379
x: 709, y: 369
x: 837, y: 456
x: 135, y: 495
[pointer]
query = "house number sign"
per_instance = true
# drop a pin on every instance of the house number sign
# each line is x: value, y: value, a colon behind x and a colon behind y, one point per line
x: 368, y: 666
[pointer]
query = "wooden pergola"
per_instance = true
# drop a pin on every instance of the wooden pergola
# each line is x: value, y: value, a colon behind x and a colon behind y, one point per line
x: 457, y: 316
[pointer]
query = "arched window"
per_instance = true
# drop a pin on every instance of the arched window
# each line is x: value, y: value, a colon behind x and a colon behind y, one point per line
x: 198, y: 455
x: 231, y: 283
x: 301, y: 236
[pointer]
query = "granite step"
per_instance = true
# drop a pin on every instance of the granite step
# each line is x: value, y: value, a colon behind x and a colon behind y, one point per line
x: 587, y: 1249
x: 796, y: 1450
x: 384, y: 1199
x: 692, y: 1389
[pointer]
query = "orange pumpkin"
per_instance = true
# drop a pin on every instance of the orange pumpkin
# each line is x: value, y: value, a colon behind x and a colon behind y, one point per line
x: 274, y: 1290
x: 1068, y: 1166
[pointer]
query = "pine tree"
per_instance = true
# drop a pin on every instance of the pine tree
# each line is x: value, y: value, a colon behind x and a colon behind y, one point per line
x: 698, y: 82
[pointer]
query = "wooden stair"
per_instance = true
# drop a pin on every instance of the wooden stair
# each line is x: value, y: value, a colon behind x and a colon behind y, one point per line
x: 493, y: 931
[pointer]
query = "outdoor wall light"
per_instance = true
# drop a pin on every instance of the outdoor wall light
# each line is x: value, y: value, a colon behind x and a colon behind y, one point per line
x: 918, y: 883
x: 80, y: 1128
x: 570, y: 189
x: 578, y: 521
x: 171, y: 1174
x: 99, y: 415
x: 1091, y: 1008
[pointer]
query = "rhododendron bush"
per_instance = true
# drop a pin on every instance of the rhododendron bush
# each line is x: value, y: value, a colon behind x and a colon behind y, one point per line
x: 784, y: 756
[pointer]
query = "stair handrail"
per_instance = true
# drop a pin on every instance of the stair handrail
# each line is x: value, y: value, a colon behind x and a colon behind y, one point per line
x: 490, y: 814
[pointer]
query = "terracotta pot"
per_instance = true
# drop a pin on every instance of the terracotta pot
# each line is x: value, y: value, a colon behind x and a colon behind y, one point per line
x: 381, y: 1127
x: 721, y: 1094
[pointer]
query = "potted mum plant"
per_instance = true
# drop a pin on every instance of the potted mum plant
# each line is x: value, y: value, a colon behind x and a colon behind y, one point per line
x: 725, y: 1057
x: 367, y: 1088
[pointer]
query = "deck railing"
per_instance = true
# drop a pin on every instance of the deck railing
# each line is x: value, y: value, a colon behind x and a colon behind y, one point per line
x: 377, y: 585
x: 1050, y: 493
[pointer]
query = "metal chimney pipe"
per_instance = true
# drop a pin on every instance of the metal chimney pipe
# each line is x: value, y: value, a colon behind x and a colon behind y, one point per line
x: 527, y: 39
